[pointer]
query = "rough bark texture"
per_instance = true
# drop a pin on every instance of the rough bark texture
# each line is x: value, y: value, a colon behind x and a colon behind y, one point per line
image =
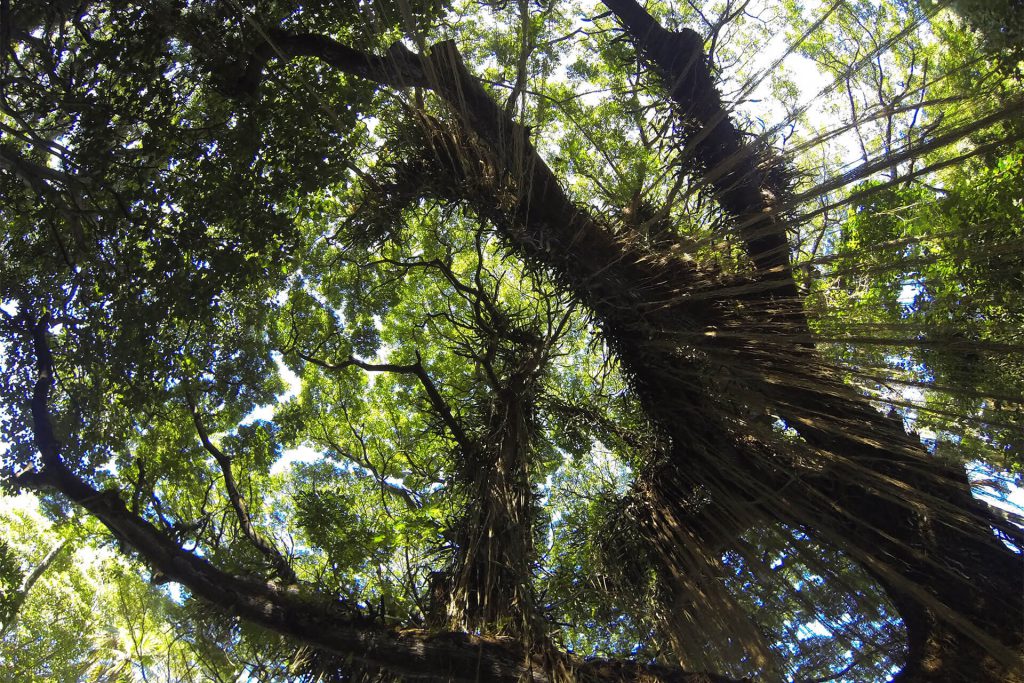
x: 954, y: 584
x: 488, y: 587
x: 957, y: 589
x: 414, y: 654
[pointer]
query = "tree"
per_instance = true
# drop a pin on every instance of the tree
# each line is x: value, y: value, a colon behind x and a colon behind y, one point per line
x: 586, y: 374
x: 88, y: 615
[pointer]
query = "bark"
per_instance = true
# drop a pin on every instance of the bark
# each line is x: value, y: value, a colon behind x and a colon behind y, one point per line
x: 747, y: 182
x: 415, y: 654
x: 954, y: 621
x: 487, y: 586
x: 890, y: 490
x: 489, y: 583
x: 490, y: 580
x: 932, y: 521
x: 956, y: 587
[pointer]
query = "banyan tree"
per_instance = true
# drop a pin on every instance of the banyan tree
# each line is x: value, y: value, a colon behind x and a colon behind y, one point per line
x: 522, y: 340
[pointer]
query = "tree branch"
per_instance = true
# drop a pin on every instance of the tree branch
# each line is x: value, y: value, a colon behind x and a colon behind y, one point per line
x: 400, y: 68
x: 27, y: 584
x: 747, y: 184
x: 265, y: 546
x: 436, y: 400
x: 415, y: 654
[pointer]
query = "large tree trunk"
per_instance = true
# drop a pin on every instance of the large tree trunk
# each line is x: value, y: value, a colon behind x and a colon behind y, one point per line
x: 872, y: 491
x: 319, y: 621
x: 956, y: 587
x: 919, y: 531
x: 661, y: 316
x: 488, y: 587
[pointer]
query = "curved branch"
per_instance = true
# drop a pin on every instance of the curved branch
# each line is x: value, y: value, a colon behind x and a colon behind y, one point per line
x: 414, y: 654
x: 265, y: 546
x: 436, y: 400
x: 29, y: 581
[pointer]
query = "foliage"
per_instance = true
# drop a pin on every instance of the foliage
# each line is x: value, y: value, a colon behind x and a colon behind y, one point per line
x: 366, y: 358
x: 91, y: 615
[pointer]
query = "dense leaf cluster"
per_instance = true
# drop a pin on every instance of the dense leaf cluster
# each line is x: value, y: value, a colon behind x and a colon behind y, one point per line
x: 508, y: 341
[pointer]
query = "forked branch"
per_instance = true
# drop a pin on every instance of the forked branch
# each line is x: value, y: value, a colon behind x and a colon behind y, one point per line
x: 280, y: 563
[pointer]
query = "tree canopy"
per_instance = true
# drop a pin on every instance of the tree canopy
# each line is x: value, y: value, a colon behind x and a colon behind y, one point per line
x: 512, y: 340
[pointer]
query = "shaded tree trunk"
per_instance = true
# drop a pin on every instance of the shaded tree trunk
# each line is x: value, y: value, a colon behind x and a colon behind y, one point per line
x: 664, y: 317
x: 956, y: 587
x: 489, y: 584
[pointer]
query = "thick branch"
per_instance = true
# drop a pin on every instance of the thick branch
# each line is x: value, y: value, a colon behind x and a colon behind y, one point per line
x: 876, y: 474
x: 747, y: 184
x: 399, y: 68
x: 415, y: 654
x: 46, y: 440
x: 34, y: 175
